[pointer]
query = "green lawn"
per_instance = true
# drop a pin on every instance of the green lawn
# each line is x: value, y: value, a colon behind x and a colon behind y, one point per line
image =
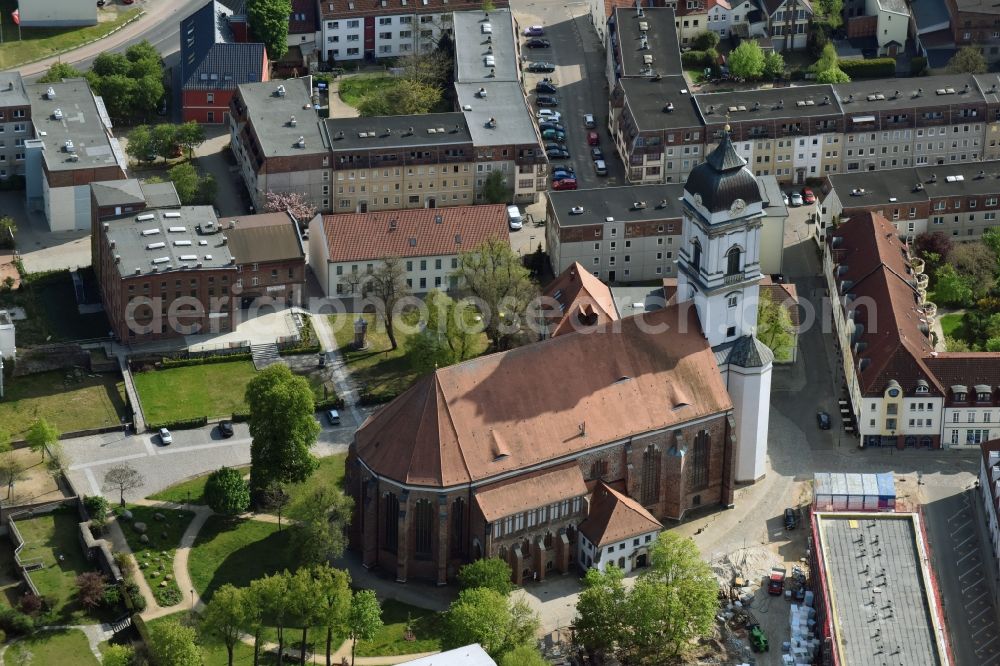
x: 353, y: 88
x: 37, y: 43
x: 330, y: 473
x: 951, y: 325
x: 214, y: 389
x: 237, y: 551
x: 156, y: 558
x: 68, y: 401
x: 427, y: 627
x: 48, y: 538
x: 190, y: 491
x: 66, y: 648
x: 49, y: 304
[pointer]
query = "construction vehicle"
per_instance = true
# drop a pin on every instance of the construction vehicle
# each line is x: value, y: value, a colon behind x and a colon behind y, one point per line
x: 776, y: 581
x: 758, y: 639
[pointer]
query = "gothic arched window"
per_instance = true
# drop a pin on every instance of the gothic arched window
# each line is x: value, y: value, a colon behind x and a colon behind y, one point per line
x: 391, y: 524
x: 696, y: 255
x: 650, y: 475
x: 423, y: 518
x: 458, y: 527
x: 699, y: 461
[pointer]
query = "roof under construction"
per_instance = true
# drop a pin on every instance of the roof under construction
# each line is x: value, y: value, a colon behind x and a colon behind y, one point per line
x: 878, y: 589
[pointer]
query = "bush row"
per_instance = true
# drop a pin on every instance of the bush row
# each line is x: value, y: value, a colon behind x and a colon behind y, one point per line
x: 333, y: 402
x: 694, y: 58
x: 367, y: 398
x: 204, y: 360
x: 296, y: 351
x: 241, y: 417
x: 869, y: 69
x: 181, y: 424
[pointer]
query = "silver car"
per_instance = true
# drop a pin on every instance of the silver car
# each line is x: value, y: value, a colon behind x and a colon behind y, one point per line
x: 165, y: 437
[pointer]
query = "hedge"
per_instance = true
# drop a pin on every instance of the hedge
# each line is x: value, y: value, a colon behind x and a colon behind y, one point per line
x: 182, y: 424
x: 694, y: 58
x: 241, y: 417
x: 296, y: 351
x: 869, y: 69
x: 918, y: 65
x: 140, y: 626
x: 366, y: 398
x: 334, y: 402
x: 205, y: 360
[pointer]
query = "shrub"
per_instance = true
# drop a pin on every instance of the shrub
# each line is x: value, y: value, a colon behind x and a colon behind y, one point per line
x: 90, y: 588
x: 298, y: 351
x: 918, y: 65
x: 204, y: 360
x: 167, y: 596
x: 30, y: 603
x: 96, y: 506
x: 141, y: 628
x: 112, y: 596
x: 125, y: 564
x: 16, y: 623
x: 693, y: 59
x: 226, y: 492
x: 706, y: 40
x: 137, y: 601
x: 333, y: 402
x: 241, y: 417
x: 181, y: 424
x: 869, y: 69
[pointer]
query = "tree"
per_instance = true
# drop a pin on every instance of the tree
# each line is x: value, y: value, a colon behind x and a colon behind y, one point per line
x: 185, y: 179
x: 148, y: 92
x: 404, y: 97
x: 110, y: 64
x: 977, y: 264
x: 491, y: 573
x: 524, y: 655
x: 832, y: 11
x: 449, y: 335
x: 932, y: 248
x: 364, y: 618
x: 320, y: 533
x: 495, y: 188
x: 269, y: 24
x: 8, y: 227
x: 303, y: 607
x: 144, y: 60
x: 388, y: 285
x: 991, y: 239
x: 253, y: 624
x: 164, y: 140
x: 774, y: 65
x: 275, y: 603
x: 226, y: 492
x: 283, y: 427
x: 90, y: 589
x: 968, y: 60
x: 292, y: 202
x: 189, y: 136
x: 225, y: 617
x: 827, y: 67
x: 485, y: 616
x: 207, y: 189
x: 173, y: 644
x: 59, y: 71
x: 833, y: 75
x: 42, y: 435
x: 118, y: 91
x: 706, y: 40
x: 117, y: 655
x: 747, y: 61
x: 493, y: 273
x: 774, y: 327
x: 12, y: 470
x: 123, y: 477
x: 332, y: 596
x: 601, y: 611
x: 141, y: 146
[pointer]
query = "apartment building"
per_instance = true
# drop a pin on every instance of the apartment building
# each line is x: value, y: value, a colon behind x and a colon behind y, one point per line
x: 279, y: 142
x: 350, y: 30
x: 15, y: 124
x: 960, y: 200
x: 643, y: 43
x: 886, y: 22
x: 691, y: 19
x: 975, y: 23
x: 270, y: 256
x: 345, y: 249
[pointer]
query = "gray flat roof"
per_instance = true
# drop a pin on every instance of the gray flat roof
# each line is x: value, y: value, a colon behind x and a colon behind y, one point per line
x: 616, y: 202
x: 12, y: 90
x: 271, y: 116
x: 473, y: 46
x: 504, y: 102
x: 160, y: 195
x: 775, y: 103
x: 937, y: 181
x: 937, y: 91
x: 647, y: 99
x: 84, y: 122
x: 897, y: 6
x: 398, y: 131
x: 876, y: 615
x: 168, y: 241
x: 661, y: 40
x: 626, y: 298
x: 117, y: 192
x: 774, y: 203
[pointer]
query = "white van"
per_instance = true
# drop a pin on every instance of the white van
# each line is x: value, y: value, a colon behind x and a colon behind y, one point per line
x: 514, y: 218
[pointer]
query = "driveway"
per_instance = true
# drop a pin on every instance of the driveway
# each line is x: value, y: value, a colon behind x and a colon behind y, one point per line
x: 42, y: 250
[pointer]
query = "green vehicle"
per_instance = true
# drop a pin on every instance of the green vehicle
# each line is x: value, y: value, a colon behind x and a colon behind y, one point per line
x: 554, y: 134
x: 758, y: 641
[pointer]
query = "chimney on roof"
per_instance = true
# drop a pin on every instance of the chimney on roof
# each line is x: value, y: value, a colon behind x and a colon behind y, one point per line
x: 292, y: 122
x: 583, y: 428
x: 392, y: 224
x: 225, y: 240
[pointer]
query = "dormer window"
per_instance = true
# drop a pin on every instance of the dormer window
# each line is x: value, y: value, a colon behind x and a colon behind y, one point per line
x: 922, y: 388
x: 984, y: 392
x: 959, y: 397
x: 982, y: 397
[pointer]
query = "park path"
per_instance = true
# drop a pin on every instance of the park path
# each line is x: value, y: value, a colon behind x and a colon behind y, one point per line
x: 120, y: 544
x: 338, y: 107
x: 95, y: 633
x: 344, y: 385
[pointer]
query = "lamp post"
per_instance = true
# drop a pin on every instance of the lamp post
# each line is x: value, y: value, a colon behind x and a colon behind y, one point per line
x: 192, y: 598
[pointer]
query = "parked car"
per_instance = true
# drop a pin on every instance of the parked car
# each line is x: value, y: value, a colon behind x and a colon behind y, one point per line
x: 541, y: 67
x: 554, y: 134
x: 784, y: 197
x: 593, y: 139
x: 600, y: 168
x: 557, y: 153
x: 564, y: 184
x: 226, y: 428
x: 551, y: 125
x: 807, y: 196
x: 538, y: 43
x: 791, y: 518
x: 596, y: 153
x: 534, y: 31
x: 588, y: 121
x: 563, y: 172
x: 333, y: 416
x: 547, y: 100
x: 545, y: 88
x: 823, y: 419
x: 165, y: 437
x: 549, y: 115
x: 554, y: 145
x: 796, y: 199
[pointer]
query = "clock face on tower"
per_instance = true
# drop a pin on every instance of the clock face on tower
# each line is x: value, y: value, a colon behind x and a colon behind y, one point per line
x: 738, y: 207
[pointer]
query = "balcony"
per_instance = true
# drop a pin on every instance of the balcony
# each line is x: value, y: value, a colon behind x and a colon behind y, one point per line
x: 917, y: 264
x: 930, y: 310
x: 922, y: 281
x: 733, y: 278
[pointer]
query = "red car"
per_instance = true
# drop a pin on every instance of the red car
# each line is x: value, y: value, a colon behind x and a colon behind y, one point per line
x: 807, y: 196
x: 593, y: 139
x: 564, y: 184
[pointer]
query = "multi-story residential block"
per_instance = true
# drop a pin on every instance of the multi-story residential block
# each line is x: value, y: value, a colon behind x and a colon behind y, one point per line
x: 975, y: 23
x: 352, y: 30
x: 270, y: 257
x: 643, y: 43
x: 15, y: 124
x: 887, y: 22
x: 345, y: 249
x: 960, y: 200
x: 602, y: 14
x: 56, y: 13
x: 303, y: 26
x: 214, y: 61
x: 279, y: 142
x: 74, y: 148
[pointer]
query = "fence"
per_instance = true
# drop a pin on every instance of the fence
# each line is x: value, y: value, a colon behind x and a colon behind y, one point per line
x: 25, y: 566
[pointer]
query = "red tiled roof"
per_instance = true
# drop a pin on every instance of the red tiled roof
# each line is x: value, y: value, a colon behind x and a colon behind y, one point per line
x: 584, y: 301
x: 783, y: 294
x: 545, y: 401
x: 530, y: 491
x: 413, y: 233
x: 331, y: 9
x: 307, y: 24
x: 614, y: 516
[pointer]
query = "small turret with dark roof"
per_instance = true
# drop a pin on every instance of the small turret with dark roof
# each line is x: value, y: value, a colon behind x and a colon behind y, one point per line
x: 723, y: 178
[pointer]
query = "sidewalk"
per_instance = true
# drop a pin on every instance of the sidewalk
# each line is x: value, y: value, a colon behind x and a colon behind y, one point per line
x: 341, y: 378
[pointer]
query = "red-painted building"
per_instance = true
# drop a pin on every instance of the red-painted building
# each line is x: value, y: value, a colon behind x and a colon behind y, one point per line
x: 215, y: 58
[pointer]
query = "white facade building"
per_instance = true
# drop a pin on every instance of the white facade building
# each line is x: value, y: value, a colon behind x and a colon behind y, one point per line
x: 7, y: 342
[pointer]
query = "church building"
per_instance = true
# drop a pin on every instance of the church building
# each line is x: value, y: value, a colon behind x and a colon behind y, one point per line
x: 572, y: 451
